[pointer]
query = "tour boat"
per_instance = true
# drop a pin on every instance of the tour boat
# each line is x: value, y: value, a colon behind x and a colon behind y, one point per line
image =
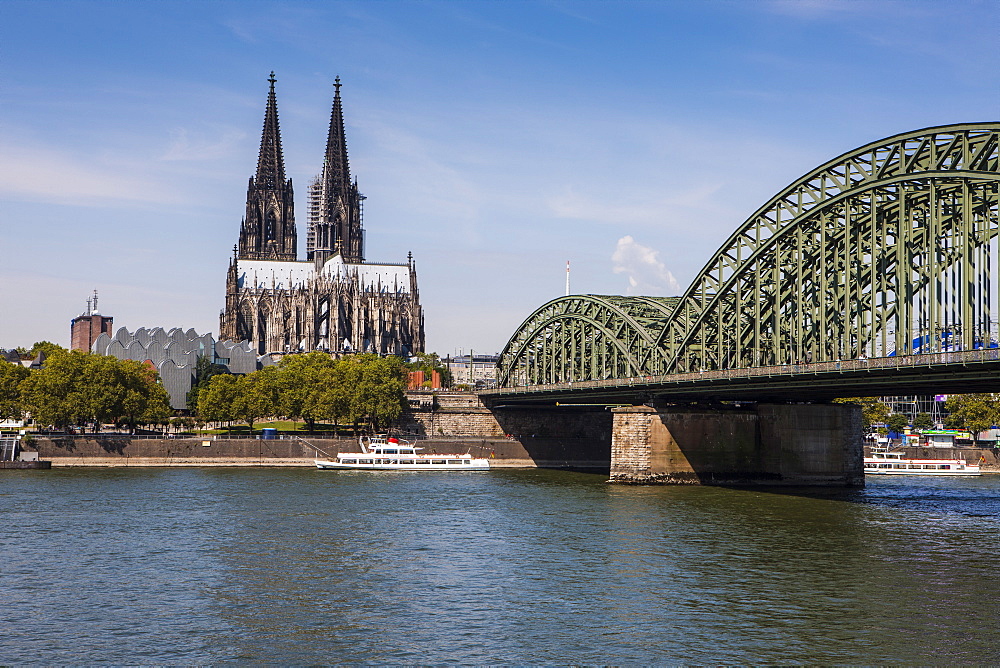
x: 883, y: 462
x: 381, y: 454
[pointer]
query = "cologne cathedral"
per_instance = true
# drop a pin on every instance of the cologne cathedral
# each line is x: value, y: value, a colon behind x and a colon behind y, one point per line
x: 333, y: 300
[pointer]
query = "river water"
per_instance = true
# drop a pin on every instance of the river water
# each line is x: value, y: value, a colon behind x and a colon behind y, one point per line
x: 297, y: 566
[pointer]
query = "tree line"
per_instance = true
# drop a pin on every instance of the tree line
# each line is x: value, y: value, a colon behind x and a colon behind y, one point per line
x: 79, y: 388
x: 75, y: 388
x: 358, y: 390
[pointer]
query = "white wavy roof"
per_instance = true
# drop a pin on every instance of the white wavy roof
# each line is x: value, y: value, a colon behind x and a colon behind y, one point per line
x: 290, y: 275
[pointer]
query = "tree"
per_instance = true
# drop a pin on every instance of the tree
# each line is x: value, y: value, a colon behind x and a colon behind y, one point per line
x: 11, y: 377
x: 46, y: 347
x: 379, y: 394
x: 57, y: 393
x: 897, y: 422
x: 873, y: 410
x: 256, y: 395
x: 204, y: 369
x: 973, y: 412
x: 923, y: 421
x: 305, y: 387
x: 75, y: 387
x: 216, y: 401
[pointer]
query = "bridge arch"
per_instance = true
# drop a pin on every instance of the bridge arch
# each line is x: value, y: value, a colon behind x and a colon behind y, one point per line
x: 586, y: 337
x: 886, y: 250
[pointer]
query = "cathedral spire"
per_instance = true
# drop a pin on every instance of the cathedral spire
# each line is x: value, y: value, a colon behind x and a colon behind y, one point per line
x: 336, y: 168
x: 268, y: 230
x: 335, y: 203
x: 271, y: 162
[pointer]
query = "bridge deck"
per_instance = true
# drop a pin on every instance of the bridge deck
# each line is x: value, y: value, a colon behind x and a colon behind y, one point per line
x: 937, y: 373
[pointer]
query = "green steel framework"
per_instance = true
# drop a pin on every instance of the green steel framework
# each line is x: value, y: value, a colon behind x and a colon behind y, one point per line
x: 886, y: 250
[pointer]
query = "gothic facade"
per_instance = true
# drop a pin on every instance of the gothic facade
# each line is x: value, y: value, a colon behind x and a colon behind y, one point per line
x: 333, y: 300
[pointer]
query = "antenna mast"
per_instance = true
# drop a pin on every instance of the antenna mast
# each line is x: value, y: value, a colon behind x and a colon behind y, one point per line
x: 567, y: 278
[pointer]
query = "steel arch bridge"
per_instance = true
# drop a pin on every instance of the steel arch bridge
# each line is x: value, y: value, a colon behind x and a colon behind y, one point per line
x: 886, y: 251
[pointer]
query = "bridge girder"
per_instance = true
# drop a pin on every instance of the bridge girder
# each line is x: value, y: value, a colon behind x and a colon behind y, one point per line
x: 886, y: 250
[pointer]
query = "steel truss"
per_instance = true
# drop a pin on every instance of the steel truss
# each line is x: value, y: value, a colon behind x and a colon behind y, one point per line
x: 886, y: 250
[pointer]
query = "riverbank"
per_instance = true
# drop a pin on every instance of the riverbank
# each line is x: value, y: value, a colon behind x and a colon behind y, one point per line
x: 114, y: 450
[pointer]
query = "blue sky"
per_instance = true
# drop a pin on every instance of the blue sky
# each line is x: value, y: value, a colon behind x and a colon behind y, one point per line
x: 494, y: 140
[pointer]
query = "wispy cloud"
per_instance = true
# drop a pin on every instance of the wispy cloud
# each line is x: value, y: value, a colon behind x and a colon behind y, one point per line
x: 646, y: 274
x: 42, y: 173
x: 573, y: 204
x: 184, y: 146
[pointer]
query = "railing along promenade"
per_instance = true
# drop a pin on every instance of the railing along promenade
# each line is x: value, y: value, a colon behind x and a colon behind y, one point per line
x: 939, y: 362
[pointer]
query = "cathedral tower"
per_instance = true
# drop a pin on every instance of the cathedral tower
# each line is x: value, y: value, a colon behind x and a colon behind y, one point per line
x: 335, y: 203
x: 268, y: 230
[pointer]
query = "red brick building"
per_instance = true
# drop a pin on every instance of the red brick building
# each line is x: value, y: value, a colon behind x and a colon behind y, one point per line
x: 84, y: 329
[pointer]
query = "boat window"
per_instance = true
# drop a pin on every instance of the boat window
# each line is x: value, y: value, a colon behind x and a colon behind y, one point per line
x: 438, y: 461
x: 390, y: 451
x: 422, y: 461
x: 454, y: 461
x: 364, y: 461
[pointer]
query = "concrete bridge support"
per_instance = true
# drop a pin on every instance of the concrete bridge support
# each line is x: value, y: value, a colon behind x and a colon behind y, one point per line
x: 770, y: 444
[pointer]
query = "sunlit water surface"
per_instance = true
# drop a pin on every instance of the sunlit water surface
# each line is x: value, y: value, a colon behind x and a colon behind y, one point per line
x: 182, y: 566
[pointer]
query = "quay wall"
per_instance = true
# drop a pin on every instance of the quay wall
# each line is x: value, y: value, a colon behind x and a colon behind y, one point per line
x: 123, y: 451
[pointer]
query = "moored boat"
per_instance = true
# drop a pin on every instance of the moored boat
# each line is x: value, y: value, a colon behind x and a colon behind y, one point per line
x: 883, y: 462
x: 379, y: 453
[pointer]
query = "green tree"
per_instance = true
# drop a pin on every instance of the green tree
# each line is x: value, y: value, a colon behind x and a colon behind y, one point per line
x: 897, y: 422
x: 75, y: 387
x: 57, y: 394
x: 873, y: 411
x: 11, y: 377
x: 973, y: 412
x: 46, y: 347
x: 204, y: 369
x: 305, y: 387
x: 256, y: 395
x: 923, y: 421
x: 216, y: 401
x: 379, y: 394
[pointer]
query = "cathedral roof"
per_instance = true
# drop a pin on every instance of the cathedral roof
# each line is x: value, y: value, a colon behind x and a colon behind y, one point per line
x: 263, y: 274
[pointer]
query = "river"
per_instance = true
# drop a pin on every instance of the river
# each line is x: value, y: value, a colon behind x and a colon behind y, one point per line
x: 297, y: 566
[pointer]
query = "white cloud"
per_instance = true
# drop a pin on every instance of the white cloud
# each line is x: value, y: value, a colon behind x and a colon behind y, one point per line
x: 40, y: 173
x: 183, y: 146
x: 574, y: 205
x: 641, y: 265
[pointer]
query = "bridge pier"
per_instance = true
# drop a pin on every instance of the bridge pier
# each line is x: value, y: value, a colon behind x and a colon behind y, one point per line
x: 769, y: 444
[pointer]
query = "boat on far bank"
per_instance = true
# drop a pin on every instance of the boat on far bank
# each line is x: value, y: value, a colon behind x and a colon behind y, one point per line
x: 379, y: 453
x: 884, y: 462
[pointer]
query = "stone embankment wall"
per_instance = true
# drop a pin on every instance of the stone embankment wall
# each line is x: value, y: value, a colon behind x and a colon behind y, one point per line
x: 440, y: 422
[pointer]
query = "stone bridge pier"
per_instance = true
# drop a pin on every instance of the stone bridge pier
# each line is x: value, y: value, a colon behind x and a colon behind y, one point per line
x: 768, y: 444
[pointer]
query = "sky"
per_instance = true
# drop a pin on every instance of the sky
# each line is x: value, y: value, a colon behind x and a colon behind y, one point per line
x: 494, y: 140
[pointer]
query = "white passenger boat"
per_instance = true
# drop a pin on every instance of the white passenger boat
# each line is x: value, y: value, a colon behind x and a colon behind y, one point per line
x: 883, y: 462
x: 381, y: 454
